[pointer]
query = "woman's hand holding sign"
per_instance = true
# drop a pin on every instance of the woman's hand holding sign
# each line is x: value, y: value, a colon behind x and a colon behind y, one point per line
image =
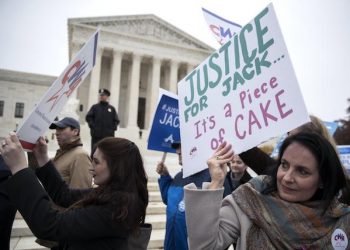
x: 217, y: 165
x: 13, y: 153
x: 41, y: 152
x: 162, y: 169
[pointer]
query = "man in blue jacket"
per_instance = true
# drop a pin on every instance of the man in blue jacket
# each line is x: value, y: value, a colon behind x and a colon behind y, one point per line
x: 173, y: 196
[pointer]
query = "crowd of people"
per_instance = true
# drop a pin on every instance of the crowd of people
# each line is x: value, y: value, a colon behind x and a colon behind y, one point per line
x: 296, y: 206
x: 78, y: 200
x: 307, y: 177
x: 56, y: 198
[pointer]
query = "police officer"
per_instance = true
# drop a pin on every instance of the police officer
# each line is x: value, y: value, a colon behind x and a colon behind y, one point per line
x: 102, y: 118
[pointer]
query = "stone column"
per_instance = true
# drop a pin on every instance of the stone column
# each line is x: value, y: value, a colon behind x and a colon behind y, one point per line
x: 174, y: 66
x: 153, y: 92
x: 95, y: 80
x: 133, y: 93
x: 166, y: 79
x: 190, y: 68
x: 115, y: 78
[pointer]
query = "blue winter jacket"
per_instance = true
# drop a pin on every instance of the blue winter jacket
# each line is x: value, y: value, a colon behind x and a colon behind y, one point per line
x: 173, y: 196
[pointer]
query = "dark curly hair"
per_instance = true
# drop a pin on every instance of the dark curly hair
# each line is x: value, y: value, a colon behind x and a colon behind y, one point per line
x: 126, y: 190
x: 329, y: 166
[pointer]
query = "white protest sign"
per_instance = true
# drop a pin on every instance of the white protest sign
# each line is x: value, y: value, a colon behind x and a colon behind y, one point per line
x: 222, y: 29
x: 244, y: 93
x: 52, y: 102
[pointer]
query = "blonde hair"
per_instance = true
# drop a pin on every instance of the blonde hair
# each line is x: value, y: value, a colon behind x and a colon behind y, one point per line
x: 317, y: 126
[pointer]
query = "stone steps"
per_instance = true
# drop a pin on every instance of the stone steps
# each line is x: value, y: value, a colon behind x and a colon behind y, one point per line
x: 156, y: 208
x: 28, y: 242
x: 22, y: 238
x: 25, y: 243
x: 157, y: 220
x: 154, y: 196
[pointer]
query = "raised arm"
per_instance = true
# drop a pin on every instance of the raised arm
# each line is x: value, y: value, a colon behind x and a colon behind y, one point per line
x: 13, y: 153
x: 211, y: 222
x: 217, y: 165
x: 28, y: 195
x: 32, y: 201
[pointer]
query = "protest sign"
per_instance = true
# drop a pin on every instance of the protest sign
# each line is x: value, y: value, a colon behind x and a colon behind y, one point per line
x: 245, y: 93
x: 52, y: 102
x: 331, y: 126
x: 344, y: 155
x: 222, y: 29
x: 165, y: 127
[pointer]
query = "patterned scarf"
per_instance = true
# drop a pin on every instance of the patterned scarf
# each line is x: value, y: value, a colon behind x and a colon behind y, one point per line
x: 278, y: 224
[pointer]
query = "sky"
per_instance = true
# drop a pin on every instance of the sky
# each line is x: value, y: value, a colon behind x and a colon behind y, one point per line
x: 34, y: 37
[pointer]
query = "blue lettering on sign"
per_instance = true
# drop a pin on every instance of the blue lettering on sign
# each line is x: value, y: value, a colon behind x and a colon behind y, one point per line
x: 77, y: 75
x: 344, y: 149
x: 339, y: 237
x: 226, y: 33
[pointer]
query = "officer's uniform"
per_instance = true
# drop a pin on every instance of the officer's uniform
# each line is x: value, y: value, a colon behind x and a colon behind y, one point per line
x: 102, y: 119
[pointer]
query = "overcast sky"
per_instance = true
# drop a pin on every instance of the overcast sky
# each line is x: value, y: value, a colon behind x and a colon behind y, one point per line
x: 34, y: 37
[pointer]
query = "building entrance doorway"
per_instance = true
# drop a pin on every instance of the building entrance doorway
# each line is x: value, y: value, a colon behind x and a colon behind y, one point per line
x: 141, y: 113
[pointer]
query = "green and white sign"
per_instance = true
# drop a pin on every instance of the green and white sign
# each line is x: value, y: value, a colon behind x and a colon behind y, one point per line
x: 245, y: 93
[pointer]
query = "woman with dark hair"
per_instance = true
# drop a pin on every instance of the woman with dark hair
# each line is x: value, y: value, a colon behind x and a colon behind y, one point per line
x: 236, y: 176
x: 261, y: 162
x: 100, y: 218
x: 294, y: 208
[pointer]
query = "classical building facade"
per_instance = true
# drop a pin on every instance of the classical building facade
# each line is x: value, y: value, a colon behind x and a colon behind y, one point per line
x: 136, y: 56
x: 19, y: 92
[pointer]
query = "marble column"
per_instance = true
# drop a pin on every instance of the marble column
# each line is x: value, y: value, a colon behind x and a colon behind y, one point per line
x: 153, y: 92
x: 190, y: 68
x: 95, y: 80
x: 183, y: 72
x: 115, y: 78
x: 174, y: 66
x: 133, y: 92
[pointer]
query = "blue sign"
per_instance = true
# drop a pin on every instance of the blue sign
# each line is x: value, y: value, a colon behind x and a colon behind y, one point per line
x: 166, y: 125
x: 331, y: 126
x: 344, y: 155
x: 276, y: 150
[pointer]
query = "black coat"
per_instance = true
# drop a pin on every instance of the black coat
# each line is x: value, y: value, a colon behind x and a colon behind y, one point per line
x: 85, y: 228
x: 258, y: 160
x: 7, y: 209
x: 229, y: 187
x: 102, y: 119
